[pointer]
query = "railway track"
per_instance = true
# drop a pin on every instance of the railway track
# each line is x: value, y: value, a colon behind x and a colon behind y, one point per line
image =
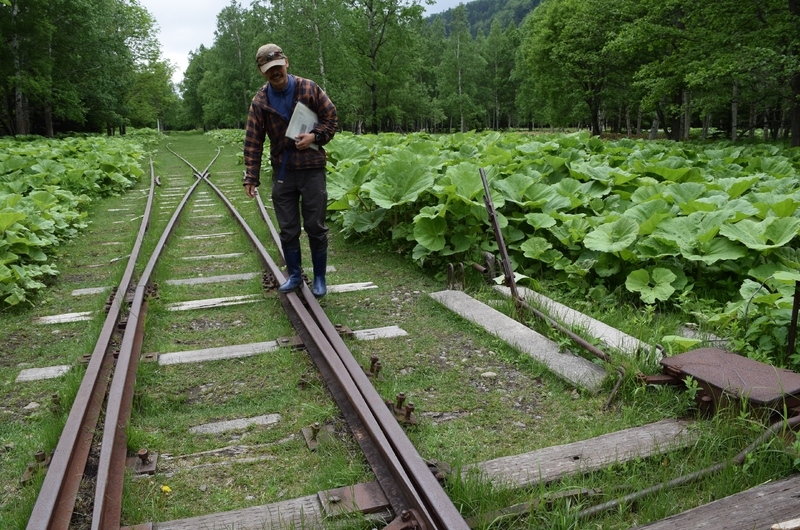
x: 414, y: 494
x: 109, y: 393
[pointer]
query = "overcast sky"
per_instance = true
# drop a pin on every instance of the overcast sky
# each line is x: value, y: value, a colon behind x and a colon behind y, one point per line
x: 186, y: 24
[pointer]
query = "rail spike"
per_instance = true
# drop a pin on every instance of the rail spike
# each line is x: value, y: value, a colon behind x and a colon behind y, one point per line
x: 407, y: 520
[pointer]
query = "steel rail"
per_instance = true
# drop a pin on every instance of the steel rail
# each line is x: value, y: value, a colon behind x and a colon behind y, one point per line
x: 56, y: 500
x: 371, y: 452
x: 111, y: 468
x: 359, y: 404
x: 413, y: 475
x: 197, y: 173
x: 411, y: 472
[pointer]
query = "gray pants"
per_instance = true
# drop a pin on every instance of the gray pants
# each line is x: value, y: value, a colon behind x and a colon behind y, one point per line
x: 301, y: 192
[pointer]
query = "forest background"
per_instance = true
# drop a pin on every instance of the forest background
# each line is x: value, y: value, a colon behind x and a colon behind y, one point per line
x: 634, y: 67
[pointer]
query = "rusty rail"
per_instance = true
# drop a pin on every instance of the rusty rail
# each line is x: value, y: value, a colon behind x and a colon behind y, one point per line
x: 111, y: 467
x: 56, y: 500
x: 195, y: 171
x: 414, y: 491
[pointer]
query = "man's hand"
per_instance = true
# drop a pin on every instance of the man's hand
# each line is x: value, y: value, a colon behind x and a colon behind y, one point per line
x: 250, y: 190
x: 304, y: 141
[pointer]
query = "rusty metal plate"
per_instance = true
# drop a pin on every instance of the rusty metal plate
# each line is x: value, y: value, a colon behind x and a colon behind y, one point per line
x: 316, y: 434
x: 365, y: 498
x: 293, y: 342
x: 149, y: 358
x: 138, y: 466
x: 736, y: 375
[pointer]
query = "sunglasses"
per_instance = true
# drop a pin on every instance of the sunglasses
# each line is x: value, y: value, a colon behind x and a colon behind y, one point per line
x: 271, y: 56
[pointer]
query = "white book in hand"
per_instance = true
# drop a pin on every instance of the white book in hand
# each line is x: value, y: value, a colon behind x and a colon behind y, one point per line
x: 303, y: 121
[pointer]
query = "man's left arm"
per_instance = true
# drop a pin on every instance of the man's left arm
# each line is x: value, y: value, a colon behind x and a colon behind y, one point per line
x: 328, y: 119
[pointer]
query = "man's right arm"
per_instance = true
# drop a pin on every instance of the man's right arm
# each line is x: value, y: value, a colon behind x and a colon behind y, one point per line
x: 253, y: 147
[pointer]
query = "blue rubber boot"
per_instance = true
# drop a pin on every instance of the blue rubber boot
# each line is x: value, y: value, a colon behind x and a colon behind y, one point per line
x: 293, y: 267
x: 320, y: 261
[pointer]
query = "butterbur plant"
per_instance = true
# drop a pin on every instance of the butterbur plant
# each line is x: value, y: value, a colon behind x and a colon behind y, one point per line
x: 45, y: 186
x: 653, y: 219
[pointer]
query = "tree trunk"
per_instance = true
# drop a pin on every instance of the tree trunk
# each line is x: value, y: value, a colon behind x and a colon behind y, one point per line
x: 735, y: 111
x: 627, y: 120
x: 751, y: 122
x: 687, y: 114
x: 48, y: 119
x: 786, y: 122
x: 775, y: 123
x: 639, y: 121
x: 654, y: 128
x: 795, y: 110
x: 21, y: 109
x: 594, y: 111
x: 319, y: 47
x: 20, y: 101
x: 794, y: 12
x: 373, y: 90
x: 706, y: 124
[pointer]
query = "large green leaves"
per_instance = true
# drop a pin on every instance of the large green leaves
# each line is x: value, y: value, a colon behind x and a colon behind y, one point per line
x: 582, y: 206
x: 45, y: 186
x: 769, y: 233
x: 401, y: 181
x: 651, y: 287
x: 613, y: 237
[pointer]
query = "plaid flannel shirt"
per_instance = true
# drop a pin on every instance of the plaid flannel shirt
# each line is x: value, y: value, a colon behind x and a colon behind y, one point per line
x: 264, y: 121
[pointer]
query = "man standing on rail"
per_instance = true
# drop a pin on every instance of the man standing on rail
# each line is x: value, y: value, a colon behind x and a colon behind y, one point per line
x: 298, y: 163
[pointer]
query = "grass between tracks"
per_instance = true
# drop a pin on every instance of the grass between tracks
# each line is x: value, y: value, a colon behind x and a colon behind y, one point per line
x: 444, y: 365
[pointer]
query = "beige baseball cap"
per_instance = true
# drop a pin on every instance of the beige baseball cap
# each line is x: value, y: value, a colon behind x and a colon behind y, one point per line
x: 270, y: 55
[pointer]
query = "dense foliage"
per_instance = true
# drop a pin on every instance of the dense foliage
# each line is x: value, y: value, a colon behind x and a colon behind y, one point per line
x: 730, y: 68
x: 80, y: 65
x: 665, y: 222
x: 45, y: 189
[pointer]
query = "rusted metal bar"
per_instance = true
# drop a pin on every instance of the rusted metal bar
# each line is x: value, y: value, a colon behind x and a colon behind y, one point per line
x: 197, y: 174
x: 793, y: 324
x: 276, y: 238
x: 498, y: 234
x: 771, y: 431
x: 412, y: 473
x: 509, y: 280
x: 56, y: 499
x: 111, y: 467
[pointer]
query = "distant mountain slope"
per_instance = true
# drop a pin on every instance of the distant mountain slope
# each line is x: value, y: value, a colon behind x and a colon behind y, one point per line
x: 481, y: 13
